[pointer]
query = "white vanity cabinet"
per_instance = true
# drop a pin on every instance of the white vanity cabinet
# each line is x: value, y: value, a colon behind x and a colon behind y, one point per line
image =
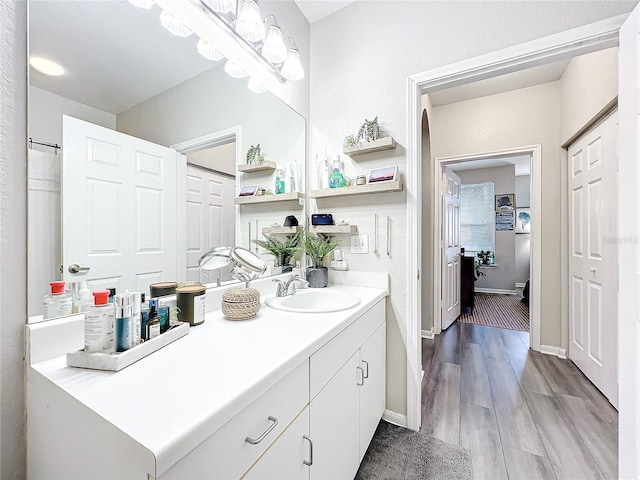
x: 314, y: 422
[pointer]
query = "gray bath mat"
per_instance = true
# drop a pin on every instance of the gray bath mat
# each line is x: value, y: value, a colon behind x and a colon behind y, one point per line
x: 396, y: 453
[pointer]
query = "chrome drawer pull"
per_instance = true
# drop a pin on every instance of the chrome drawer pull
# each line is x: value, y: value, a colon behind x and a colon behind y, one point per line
x: 310, y: 462
x: 361, y: 370
x: 255, y: 441
x: 366, y: 364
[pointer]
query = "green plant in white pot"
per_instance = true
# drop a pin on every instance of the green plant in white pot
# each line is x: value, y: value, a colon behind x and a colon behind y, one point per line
x: 317, y: 248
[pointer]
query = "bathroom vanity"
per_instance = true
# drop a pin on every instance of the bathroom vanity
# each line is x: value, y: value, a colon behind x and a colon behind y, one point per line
x: 286, y: 395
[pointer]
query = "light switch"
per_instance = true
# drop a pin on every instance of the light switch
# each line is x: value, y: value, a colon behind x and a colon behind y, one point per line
x: 359, y: 243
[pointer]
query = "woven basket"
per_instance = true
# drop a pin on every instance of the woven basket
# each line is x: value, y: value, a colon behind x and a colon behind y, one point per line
x: 240, y: 303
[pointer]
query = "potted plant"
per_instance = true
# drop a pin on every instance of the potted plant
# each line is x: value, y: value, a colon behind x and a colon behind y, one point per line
x: 317, y: 248
x: 282, y: 250
x: 255, y: 155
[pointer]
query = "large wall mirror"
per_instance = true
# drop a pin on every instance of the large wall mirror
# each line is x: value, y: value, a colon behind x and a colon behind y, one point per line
x: 153, y: 140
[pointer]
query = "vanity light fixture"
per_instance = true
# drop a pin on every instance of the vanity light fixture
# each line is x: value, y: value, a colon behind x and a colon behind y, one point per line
x: 174, y: 25
x: 255, y: 86
x: 142, y: 3
x: 233, y: 69
x: 274, y: 49
x: 208, y: 51
x: 249, y: 23
x: 46, y: 66
x: 221, y: 6
x: 292, y: 68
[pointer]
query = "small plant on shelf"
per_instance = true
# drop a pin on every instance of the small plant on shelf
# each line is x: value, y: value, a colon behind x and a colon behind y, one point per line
x: 369, y: 131
x: 351, y: 142
x: 282, y: 250
x: 255, y: 155
x: 317, y: 247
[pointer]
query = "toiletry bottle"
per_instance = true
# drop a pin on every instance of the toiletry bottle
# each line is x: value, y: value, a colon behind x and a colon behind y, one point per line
x: 124, y: 311
x: 153, y: 324
x: 112, y: 293
x: 144, y: 317
x: 326, y: 173
x: 289, y: 183
x: 337, y: 177
x: 136, y: 319
x: 56, y: 303
x: 99, y: 324
x: 73, y: 289
x: 164, y: 307
x: 85, y: 298
x: 279, y: 181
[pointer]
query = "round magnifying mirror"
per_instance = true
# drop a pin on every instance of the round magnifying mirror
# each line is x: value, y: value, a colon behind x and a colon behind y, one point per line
x: 215, y: 259
x: 248, y: 262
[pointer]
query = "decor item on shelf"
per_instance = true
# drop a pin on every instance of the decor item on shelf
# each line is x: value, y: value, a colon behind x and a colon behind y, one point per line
x: 290, y: 221
x: 321, y: 219
x: 282, y: 250
x: 248, y: 190
x: 369, y: 131
x: 237, y: 31
x: 361, y: 180
x: 317, y: 248
x: 350, y: 141
x: 255, y: 155
x: 384, y: 174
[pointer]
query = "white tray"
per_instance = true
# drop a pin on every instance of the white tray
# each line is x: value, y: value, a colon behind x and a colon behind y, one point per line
x: 117, y: 361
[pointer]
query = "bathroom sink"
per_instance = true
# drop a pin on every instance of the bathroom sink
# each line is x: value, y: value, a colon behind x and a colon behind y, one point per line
x: 314, y: 301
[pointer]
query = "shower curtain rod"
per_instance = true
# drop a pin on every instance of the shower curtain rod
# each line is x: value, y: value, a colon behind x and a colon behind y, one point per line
x: 52, y: 145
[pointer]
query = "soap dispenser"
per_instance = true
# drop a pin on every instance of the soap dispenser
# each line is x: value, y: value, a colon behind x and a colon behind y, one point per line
x: 337, y: 175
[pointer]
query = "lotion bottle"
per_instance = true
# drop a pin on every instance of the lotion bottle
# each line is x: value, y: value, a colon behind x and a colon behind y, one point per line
x: 99, y: 324
x: 136, y: 319
x: 124, y: 312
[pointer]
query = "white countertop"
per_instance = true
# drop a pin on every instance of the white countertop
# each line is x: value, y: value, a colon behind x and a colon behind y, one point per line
x: 175, y: 398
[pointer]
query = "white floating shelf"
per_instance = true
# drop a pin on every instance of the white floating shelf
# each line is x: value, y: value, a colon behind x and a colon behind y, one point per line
x: 283, y: 197
x: 281, y: 230
x: 257, y: 167
x: 382, y: 187
x: 384, y: 143
x: 333, y: 229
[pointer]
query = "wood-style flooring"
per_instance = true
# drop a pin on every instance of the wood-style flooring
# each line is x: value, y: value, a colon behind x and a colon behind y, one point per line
x: 521, y: 414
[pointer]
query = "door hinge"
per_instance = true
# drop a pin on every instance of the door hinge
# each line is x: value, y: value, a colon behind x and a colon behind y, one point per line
x: 418, y: 274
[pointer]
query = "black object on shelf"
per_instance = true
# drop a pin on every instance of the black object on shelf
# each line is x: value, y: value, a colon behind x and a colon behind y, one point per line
x: 467, y: 284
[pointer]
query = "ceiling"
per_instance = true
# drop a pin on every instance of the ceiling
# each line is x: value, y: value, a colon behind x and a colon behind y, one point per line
x: 115, y: 55
x: 504, y: 83
x: 314, y: 10
x: 521, y: 162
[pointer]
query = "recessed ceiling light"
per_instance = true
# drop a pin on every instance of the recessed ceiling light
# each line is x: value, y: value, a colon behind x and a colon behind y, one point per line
x: 46, y: 66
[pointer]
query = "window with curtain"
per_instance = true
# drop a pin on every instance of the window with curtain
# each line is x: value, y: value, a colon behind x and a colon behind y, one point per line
x: 477, y: 217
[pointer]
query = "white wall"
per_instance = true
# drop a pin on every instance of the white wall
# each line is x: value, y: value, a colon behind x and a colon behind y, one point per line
x: 13, y: 236
x: 503, y: 276
x: 523, y: 241
x: 588, y: 85
x: 360, y: 59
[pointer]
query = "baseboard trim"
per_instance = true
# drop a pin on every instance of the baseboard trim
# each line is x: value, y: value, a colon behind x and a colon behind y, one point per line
x: 395, y: 418
x: 428, y: 334
x: 496, y: 290
x: 520, y: 285
x: 556, y: 351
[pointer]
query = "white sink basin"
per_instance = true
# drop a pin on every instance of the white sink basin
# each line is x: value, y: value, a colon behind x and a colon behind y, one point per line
x: 314, y: 301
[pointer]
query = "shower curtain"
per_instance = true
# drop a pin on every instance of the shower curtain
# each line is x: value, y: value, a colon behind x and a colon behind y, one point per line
x: 44, y: 235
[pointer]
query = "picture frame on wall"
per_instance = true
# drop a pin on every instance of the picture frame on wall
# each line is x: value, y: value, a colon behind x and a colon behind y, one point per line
x: 523, y: 220
x: 504, y: 220
x: 505, y: 201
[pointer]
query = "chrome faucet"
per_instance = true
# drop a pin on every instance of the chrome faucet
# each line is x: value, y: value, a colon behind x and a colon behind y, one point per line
x: 289, y: 287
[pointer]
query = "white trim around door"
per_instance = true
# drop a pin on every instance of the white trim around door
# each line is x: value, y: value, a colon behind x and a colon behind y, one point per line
x: 577, y: 41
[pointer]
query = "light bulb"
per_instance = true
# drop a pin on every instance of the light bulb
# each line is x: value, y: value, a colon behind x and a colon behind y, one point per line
x: 142, y: 3
x: 233, y: 69
x: 174, y: 25
x: 208, y: 51
x: 255, y: 86
x: 249, y: 23
x: 292, y: 68
x: 274, y: 49
x: 221, y: 6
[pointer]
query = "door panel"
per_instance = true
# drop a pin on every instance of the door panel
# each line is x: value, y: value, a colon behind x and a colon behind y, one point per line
x: 121, y: 192
x: 451, y: 254
x: 593, y: 259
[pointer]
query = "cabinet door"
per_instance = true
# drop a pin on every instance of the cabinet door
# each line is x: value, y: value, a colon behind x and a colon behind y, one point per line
x: 285, y: 459
x: 372, y: 391
x: 334, y: 425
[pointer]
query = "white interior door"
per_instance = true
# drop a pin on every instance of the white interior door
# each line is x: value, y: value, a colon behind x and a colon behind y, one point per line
x: 451, y: 249
x: 593, y: 323
x: 119, y: 208
x: 210, y: 217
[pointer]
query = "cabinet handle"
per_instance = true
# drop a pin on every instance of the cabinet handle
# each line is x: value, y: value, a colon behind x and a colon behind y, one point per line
x: 366, y: 373
x: 362, y: 371
x: 255, y: 441
x: 310, y: 462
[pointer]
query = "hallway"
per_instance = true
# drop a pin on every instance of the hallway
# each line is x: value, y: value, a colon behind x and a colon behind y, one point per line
x: 521, y: 414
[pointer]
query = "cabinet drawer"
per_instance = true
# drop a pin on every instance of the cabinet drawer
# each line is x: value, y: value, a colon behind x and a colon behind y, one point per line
x: 226, y: 454
x: 330, y: 357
